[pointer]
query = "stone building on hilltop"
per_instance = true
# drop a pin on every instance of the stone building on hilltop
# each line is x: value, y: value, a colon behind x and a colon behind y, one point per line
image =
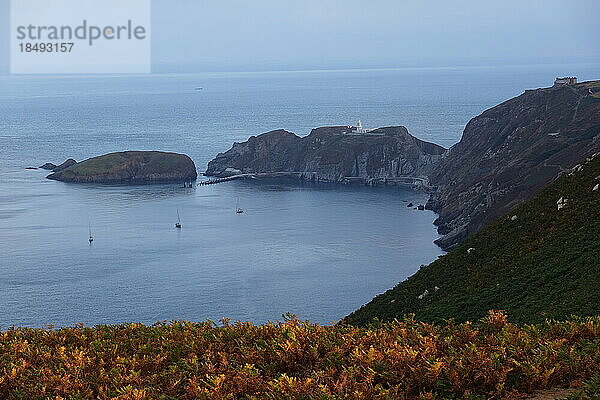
x: 570, y: 80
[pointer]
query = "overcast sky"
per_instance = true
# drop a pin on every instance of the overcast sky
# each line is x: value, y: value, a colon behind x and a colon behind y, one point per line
x: 313, y: 34
x: 357, y: 33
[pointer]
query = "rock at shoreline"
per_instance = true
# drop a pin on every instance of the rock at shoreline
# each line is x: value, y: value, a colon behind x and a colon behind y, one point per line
x: 130, y: 167
x: 49, y: 166
x: 55, y: 168
x: 329, y: 154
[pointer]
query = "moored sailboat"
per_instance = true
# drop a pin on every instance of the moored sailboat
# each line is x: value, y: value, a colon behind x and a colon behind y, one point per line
x: 90, y: 237
x: 238, y: 210
x: 178, y: 223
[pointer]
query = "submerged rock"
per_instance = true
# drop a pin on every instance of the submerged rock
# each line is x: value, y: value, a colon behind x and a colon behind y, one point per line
x: 130, y: 167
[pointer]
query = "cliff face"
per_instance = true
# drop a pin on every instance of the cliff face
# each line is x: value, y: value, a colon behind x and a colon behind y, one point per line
x: 130, y: 167
x: 275, y: 151
x: 510, y: 152
x: 331, y: 154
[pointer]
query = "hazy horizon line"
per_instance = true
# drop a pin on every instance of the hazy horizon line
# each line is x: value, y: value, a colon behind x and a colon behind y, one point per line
x: 188, y: 69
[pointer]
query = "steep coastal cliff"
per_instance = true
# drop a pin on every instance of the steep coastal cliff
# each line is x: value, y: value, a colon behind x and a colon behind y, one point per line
x: 510, y: 152
x: 333, y: 154
x: 130, y: 167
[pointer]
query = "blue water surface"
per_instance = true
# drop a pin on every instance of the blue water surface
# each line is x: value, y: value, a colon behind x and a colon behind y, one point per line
x: 316, y: 251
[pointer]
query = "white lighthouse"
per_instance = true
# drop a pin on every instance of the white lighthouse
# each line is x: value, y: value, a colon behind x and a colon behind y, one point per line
x: 359, y: 128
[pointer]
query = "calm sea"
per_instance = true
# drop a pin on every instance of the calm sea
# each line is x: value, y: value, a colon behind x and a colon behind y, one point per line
x: 318, y: 252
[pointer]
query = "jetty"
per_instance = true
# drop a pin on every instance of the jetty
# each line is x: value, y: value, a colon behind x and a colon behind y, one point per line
x: 407, y: 181
x: 224, y: 179
x: 252, y: 176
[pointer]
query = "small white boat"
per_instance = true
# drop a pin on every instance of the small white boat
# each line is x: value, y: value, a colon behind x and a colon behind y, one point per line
x: 238, y: 210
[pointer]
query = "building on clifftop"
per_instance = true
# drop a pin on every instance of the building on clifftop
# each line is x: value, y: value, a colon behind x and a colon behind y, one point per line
x: 571, y: 80
x: 359, y: 130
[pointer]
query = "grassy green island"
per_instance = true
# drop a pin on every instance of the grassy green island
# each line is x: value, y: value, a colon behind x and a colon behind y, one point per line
x: 130, y: 167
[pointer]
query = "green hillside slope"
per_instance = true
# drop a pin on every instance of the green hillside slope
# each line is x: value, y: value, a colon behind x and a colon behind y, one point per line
x: 536, y: 262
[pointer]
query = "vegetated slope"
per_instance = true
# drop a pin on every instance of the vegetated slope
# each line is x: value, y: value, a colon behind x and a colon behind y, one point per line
x: 130, y: 167
x: 331, y: 154
x: 296, y: 360
x: 510, y: 152
x: 535, y: 262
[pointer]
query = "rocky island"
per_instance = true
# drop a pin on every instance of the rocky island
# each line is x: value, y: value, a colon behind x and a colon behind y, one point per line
x: 387, y: 155
x: 130, y: 167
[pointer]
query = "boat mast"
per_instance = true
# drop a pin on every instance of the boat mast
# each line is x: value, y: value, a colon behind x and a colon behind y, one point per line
x: 238, y: 210
x: 178, y: 223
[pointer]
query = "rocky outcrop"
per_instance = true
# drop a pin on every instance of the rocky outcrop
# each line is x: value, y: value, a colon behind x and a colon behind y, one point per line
x: 332, y: 154
x: 510, y: 152
x: 130, y: 167
x: 55, y: 168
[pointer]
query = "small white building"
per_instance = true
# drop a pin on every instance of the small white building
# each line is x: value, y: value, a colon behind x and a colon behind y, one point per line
x: 360, y: 130
x: 569, y: 80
